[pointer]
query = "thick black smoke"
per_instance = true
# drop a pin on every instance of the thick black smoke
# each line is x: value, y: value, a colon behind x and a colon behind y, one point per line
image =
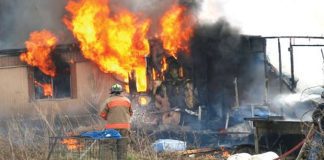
x: 220, y: 54
x: 215, y: 60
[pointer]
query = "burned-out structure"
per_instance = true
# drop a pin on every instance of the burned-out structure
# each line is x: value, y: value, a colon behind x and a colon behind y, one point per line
x: 223, y: 70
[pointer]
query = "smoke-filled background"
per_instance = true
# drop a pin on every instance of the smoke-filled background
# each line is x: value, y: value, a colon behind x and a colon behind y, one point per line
x: 258, y: 17
x: 18, y: 18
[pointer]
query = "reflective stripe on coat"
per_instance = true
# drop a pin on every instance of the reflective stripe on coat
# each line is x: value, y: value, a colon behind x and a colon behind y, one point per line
x: 118, y: 112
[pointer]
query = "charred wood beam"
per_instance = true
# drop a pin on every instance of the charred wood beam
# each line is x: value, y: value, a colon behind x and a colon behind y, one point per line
x: 61, y: 48
x: 292, y: 69
x: 307, y: 45
x: 284, y: 78
x: 265, y: 72
x: 196, y: 151
x: 280, y: 65
x: 322, y: 55
x: 302, y: 37
x: 12, y: 52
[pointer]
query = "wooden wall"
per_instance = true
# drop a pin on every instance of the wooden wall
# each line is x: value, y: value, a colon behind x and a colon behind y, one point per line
x: 90, y: 85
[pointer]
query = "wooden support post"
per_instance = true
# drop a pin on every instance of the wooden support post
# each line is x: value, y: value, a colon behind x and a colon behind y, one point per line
x: 265, y: 72
x: 291, y: 50
x: 236, y: 93
x: 280, y: 65
x: 307, y: 140
x: 256, y: 140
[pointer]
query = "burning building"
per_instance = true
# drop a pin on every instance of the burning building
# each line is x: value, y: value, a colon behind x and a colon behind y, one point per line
x: 191, y: 88
x: 181, y: 74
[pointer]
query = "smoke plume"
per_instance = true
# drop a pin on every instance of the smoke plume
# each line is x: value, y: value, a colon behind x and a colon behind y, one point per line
x: 19, y: 18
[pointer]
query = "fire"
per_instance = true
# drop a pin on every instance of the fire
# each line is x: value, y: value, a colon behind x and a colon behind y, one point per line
x: 181, y: 74
x: 141, y: 82
x: 164, y: 65
x: 39, y: 47
x: 225, y: 153
x: 177, y: 29
x: 143, y: 101
x: 71, y: 144
x: 116, y: 42
x: 47, y: 88
x: 154, y: 74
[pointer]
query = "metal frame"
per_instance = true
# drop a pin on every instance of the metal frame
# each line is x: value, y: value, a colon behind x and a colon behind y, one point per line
x: 291, y: 50
x: 264, y: 126
x: 87, y: 148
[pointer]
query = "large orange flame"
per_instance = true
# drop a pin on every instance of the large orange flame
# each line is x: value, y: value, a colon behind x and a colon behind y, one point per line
x: 47, y: 88
x: 177, y: 29
x: 116, y: 42
x: 39, y: 47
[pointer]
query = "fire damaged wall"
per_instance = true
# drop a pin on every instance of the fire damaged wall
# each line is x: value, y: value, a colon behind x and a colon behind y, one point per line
x: 219, y: 56
x: 88, y: 87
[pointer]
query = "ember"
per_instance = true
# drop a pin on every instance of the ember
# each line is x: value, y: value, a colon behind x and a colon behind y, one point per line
x: 39, y: 46
x: 154, y: 74
x: 177, y: 29
x: 72, y: 144
x: 225, y: 153
x: 47, y: 88
x: 116, y: 42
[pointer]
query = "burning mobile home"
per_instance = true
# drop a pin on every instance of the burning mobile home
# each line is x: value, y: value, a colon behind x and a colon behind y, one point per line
x: 77, y: 83
x: 181, y: 74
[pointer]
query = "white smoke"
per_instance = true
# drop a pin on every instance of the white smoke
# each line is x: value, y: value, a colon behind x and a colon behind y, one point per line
x: 264, y: 17
x: 209, y: 11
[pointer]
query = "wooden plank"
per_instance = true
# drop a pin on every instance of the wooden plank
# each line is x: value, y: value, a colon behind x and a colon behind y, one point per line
x: 73, y: 81
x: 195, y: 151
x: 283, y: 127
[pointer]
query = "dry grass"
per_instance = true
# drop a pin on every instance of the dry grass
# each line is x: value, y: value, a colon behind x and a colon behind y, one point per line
x: 27, y: 138
x: 21, y: 142
x: 23, y: 138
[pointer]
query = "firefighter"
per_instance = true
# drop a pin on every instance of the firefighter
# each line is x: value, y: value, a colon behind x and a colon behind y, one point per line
x: 117, y: 110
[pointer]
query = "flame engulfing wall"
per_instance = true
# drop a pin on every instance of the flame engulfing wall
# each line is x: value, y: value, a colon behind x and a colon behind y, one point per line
x: 116, y: 42
x: 113, y: 37
x: 40, y: 46
x: 177, y: 29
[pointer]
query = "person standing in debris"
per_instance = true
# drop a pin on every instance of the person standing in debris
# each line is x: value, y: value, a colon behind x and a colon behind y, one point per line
x: 117, y: 110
